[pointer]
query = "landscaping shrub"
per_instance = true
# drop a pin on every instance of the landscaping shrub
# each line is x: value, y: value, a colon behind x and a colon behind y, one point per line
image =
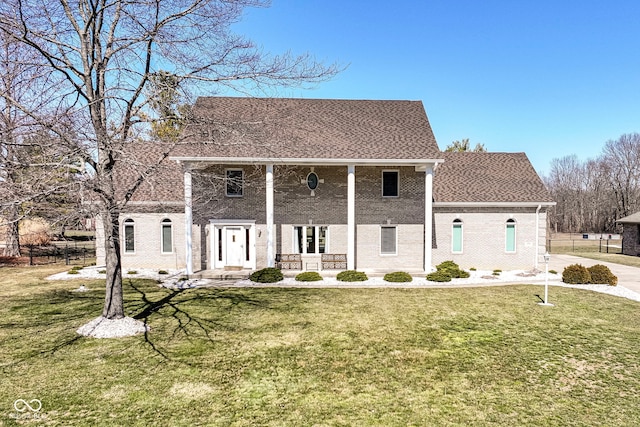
x: 267, y: 275
x: 398, y: 277
x: 452, y: 269
x: 447, y: 265
x: 132, y: 272
x: 309, y: 276
x: 73, y: 271
x: 163, y: 272
x: 352, y: 276
x: 439, y: 276
x: 102, y: 271
x: 601, y: 275
x: 576, y: 274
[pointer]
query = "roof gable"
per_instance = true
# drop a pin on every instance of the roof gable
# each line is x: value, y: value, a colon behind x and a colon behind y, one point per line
x: 288, y: 128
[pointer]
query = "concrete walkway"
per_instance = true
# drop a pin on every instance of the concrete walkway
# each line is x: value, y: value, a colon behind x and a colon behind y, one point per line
x: 629, y: 277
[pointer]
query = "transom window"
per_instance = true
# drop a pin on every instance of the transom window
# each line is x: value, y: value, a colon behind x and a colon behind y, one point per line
x: 390, y: 183
x: 389, y: 240
x: 456, y: 236
x: 129, y: 236
x: 310, y: 239
x: 167, y: 236
x: 235, y: 182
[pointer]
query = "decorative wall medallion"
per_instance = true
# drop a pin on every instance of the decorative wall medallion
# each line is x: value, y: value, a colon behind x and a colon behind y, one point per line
x: 312, y: 181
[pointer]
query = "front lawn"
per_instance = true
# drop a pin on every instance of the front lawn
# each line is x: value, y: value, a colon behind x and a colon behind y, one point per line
x: 326, y: 357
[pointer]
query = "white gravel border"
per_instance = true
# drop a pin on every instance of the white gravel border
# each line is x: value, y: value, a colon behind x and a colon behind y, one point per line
x: 127, y: 326
x: 101, y: 327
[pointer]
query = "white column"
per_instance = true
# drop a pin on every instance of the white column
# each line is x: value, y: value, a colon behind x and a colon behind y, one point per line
x: 188, y: 222
x: 269, y: 208
x: 428, y: 216
x: 351, y: 217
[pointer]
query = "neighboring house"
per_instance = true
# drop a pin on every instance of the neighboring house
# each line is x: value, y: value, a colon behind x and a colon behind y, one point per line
x: 329, y: 184
x: 630, y: 234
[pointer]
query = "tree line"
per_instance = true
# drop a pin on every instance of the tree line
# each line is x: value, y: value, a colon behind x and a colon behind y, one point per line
x: 592, y: 194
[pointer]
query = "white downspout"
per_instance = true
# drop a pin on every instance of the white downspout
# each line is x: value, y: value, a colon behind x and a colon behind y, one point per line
x: 535, y: 262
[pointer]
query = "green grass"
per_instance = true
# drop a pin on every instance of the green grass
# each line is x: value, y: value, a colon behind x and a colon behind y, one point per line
x: 336, y: 357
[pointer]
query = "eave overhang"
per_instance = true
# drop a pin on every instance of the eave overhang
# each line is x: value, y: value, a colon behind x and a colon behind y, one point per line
x: 491, y: 204
x: 418, y: 163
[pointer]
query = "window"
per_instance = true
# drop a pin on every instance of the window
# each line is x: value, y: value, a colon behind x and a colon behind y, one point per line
x: 129, y: 237
x: 235, y: 182
x: 312, y: 181
x: 456, y: 236
x: 388, y: 241
x: 310, y: 239
x: 390, y: 184
x: 510, y: 240
x: 167, y: 236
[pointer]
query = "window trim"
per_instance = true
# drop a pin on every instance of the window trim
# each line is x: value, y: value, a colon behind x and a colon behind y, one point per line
x: 166, y: 222
x: 128, y: 222
x: 510, y: 222
x: 397, y: 173
x: 227, y: 183
x: 457, y: 223
x: 395, y: 243
x: 297, y: 241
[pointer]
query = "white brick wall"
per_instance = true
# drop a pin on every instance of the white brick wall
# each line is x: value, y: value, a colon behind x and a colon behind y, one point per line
x: 147, y: 234
x: 410, y: 251
x: 483, y: 242
x: 484, y: 239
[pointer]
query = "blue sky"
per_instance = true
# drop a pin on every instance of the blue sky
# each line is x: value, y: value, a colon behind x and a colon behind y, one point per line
x: 550, y: 78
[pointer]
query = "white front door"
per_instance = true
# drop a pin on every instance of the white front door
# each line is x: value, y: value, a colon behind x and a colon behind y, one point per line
x: 235, y: 242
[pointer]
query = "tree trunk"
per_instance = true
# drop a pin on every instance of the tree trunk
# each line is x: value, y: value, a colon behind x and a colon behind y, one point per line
x: 12, y: 237
x: 113, y: 303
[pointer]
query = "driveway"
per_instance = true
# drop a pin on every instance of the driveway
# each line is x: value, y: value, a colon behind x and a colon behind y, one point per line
x: 629, y: 277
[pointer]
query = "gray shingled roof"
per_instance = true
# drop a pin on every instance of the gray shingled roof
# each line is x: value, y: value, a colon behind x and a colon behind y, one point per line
x: 472, y: 177
x: 631, y: 219
x: 286, y: 128
x: 252, y: 128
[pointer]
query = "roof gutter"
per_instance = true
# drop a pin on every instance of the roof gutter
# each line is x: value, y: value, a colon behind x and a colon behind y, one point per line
x: 306, y: 161
x: 492, y: 204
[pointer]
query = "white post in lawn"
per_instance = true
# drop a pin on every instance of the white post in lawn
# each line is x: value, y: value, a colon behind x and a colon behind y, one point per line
x: 547, y: 257
x: 428, y: 217
x: 351, y: 217
x: 269, y: 208
x: 188, y: 222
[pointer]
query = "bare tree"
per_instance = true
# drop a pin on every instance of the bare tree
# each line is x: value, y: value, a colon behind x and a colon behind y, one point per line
x: 30, y: 170
x: 107, y: 53
x: 464, y: 145
x: 622, y: 160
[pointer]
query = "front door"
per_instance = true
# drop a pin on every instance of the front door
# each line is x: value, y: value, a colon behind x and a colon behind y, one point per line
x: 235, y: 242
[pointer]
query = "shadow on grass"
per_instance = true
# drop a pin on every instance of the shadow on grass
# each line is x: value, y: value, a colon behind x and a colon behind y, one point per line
x: 184, y: 308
